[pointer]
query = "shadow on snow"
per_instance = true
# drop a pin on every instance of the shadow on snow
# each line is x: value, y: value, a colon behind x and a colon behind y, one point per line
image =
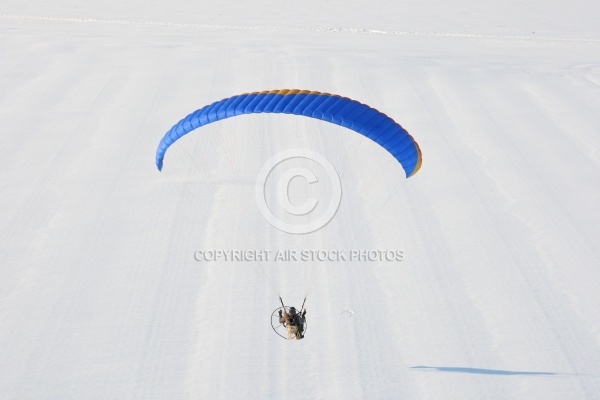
x: 465, y: 370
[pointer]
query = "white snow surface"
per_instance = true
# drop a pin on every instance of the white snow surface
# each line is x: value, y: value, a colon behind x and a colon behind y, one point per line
x: 498, y: 293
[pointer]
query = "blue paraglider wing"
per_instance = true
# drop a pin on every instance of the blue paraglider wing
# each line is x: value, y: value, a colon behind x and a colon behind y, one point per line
x: 338, y: 110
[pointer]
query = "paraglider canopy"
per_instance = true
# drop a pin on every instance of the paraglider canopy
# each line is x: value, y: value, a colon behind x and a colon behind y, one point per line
x: 335, y: 109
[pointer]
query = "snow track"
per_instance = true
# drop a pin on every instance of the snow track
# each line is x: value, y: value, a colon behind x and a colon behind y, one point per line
x: 532, y: 37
